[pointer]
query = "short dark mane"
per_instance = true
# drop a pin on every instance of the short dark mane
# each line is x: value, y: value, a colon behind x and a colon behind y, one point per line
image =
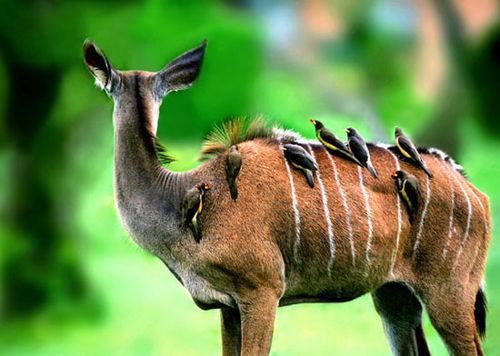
x: 433, y: 152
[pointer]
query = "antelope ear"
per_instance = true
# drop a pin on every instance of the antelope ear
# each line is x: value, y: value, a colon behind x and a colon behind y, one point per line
x: 182, y: 71
x: 98, y: 65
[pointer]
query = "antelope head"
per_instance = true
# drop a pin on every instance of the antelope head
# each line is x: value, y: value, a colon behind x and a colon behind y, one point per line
x: 124, y: 87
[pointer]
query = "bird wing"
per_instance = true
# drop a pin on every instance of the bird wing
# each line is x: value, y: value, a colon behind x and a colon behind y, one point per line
x: 407, y: 148
x: 331, y: 141
x: 359, y: 149
x: 406, y: 194
x: 192, y: 207
x: 233, y: 166
x: 411, y: 189
x: 302, y: 160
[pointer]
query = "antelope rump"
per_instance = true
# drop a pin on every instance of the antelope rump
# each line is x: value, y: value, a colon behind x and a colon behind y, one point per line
x: 282, y: 242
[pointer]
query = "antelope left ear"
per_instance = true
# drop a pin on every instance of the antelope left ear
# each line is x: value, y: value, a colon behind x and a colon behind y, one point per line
x: 182, y: 71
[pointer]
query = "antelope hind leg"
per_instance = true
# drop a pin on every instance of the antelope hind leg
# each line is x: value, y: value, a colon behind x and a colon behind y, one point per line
x: 452, y: 315
x: 230, y: 332
x: 401, y: 314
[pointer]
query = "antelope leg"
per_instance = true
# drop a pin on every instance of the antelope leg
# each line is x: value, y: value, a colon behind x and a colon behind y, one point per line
x: 230, y: 331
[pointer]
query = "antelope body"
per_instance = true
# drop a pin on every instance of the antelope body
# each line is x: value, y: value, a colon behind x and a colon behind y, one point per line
x: 282, y: 242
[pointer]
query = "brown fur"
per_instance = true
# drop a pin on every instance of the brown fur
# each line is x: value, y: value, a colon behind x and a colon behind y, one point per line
x: 234, y: 237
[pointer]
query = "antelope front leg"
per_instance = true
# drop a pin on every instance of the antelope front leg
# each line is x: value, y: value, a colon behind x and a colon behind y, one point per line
x: 230, y: 331
x: 258, y: 311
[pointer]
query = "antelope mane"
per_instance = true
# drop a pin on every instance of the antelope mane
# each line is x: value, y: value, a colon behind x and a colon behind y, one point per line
x: 238, y: 130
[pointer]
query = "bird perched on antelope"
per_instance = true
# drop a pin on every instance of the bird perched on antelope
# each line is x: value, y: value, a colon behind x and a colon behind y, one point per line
x: 330, y: 141
x: 233, y: 167
x: 300, y: 159
x: 407, y: 148
x: 191, y: 207
x: 407, y: 186
x: 359, y: 150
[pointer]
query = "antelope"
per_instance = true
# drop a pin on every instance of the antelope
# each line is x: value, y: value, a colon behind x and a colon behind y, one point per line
x: 282, y: 242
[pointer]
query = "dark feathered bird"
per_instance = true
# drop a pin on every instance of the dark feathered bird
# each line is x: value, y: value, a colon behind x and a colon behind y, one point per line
x: 330, y: 141
x: 301, y: 159
x: 407, y: 185
x: 359, y: 150
x: 407, y: 148
x: 233, y: 167
x: 192, y: 205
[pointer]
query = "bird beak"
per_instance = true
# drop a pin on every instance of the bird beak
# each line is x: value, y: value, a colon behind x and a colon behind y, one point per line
x: 283, y: 148
x: 346, y: 130
x: 312, y: 121
x: 394, y: 175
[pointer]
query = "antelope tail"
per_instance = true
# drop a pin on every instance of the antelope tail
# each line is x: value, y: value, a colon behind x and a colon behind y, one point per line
x: 480, y: 309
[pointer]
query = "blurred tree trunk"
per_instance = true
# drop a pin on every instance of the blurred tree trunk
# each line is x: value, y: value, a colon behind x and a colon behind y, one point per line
x: 473, y: 83
x: 443, y: 130
x: 485, y: 80
x: 40, y: 264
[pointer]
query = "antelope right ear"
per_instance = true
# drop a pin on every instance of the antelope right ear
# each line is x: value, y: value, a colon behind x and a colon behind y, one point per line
x: 181, y: 72
x: 98, y: 65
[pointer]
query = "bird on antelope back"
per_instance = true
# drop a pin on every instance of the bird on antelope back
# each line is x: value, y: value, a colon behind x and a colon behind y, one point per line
x: 360, y: 151
x: 407, y: 185
x: 407, y: 148
x: 301, y: 159
x: 191, y: 207
x: 331, y: 142
x: 233, y: 167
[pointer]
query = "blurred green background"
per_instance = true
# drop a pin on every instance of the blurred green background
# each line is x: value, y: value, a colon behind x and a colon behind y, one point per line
x: 73, y: 283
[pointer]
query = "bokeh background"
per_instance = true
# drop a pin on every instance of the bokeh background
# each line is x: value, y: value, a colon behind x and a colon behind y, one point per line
x: 73, y: 283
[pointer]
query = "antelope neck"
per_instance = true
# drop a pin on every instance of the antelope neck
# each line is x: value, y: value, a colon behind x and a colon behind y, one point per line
x: 144, y: 190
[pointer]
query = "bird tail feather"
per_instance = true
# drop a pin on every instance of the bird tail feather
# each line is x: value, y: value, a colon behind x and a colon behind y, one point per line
x: 309, y: 177
x: 372, y: 170
x: 424, y: 167
x: 195, y: 228
x: 234, y: 190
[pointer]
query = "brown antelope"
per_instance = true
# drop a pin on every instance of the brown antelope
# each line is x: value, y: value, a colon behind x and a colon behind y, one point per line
x: 282, y: 242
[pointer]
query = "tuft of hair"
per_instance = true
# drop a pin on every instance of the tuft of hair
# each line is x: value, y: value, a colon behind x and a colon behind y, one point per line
x: 160, y: 150
x: 480, y: 309
x: 233, y: 132
x: 161, y: 153
x: 286, y: 136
